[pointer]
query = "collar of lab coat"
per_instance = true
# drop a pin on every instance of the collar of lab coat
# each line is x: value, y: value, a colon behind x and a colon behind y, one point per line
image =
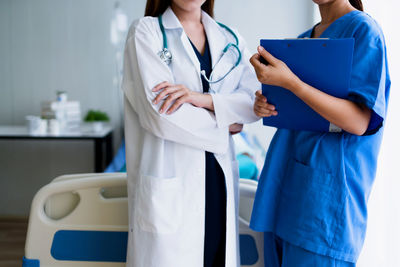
x: 170, y: 21
x: 215, y: 35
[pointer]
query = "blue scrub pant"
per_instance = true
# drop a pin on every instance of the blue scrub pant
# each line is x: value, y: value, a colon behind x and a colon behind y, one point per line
x: 279, y: 253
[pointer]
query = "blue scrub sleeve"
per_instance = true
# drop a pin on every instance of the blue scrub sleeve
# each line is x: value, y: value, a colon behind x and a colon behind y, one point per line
x: 368, y: 82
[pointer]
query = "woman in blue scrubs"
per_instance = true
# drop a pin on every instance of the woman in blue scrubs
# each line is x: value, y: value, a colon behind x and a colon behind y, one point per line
x: 312, y: 196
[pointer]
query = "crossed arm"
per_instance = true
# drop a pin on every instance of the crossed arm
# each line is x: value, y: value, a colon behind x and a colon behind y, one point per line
x: 175, y: 95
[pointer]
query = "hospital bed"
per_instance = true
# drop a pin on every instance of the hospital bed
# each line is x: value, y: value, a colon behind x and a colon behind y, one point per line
x: 82, y: 220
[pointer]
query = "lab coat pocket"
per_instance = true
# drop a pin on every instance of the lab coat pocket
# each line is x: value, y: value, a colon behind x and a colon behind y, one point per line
x: 159, y: 204
x: 311, y: 204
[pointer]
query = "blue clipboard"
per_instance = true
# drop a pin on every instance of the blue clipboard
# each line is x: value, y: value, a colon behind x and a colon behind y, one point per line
x: 322, y: 63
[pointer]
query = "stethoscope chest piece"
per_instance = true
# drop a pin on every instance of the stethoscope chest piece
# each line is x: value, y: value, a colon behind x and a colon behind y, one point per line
x: 165, y: 56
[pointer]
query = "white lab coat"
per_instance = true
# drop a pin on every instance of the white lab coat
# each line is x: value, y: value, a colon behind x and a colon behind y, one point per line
x: 166, y: 153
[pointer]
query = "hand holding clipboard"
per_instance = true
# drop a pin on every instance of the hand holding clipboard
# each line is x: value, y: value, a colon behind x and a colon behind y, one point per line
x: 322, y: 63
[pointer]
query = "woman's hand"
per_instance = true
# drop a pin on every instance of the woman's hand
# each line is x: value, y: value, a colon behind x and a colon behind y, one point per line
x: 261, y: 106
x: 275, y: 73
x: 343, y: 113
x: 175, y: 95
x: 235, y: 128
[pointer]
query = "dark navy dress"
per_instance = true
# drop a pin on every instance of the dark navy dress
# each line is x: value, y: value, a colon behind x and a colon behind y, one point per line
x: 215, y: 219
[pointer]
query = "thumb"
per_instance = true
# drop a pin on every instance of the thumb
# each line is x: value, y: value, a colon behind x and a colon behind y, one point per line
x: 266, y: 55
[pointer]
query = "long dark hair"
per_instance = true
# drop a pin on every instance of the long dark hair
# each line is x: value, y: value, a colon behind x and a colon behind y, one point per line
x: 357, y: 4
x: 155, y: 8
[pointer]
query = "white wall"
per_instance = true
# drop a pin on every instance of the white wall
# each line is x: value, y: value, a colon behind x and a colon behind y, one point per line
x: 49, y: 45
x: 382, y: 245
x: 257, y: 19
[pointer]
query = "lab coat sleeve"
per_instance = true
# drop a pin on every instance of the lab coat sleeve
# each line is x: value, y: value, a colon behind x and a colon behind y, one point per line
x: 237, y: 106
x: 369, y: 81
x: 143, y: 70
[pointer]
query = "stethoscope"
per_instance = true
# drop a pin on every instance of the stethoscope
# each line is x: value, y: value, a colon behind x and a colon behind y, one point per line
x: 166, y: 55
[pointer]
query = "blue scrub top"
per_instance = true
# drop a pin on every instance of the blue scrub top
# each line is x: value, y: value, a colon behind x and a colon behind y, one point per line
x: 314, y: 186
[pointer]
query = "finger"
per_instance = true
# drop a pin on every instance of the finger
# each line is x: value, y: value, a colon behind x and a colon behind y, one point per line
x: 267, y: 114
x: 266, y: 111
x: 160, y: 86
x: 166, y: 91
x: 259, y: 93
x: 262, y: 112
x: 266, y: 55
x: 162, y: 94
x: 170, y: 99
x: 255, y: 61
x: 239, y: 125
x: 261, y: 98
x: 264, y: 105
x: 259, y: 67
x: 235, y: 127
x: 179, y: 102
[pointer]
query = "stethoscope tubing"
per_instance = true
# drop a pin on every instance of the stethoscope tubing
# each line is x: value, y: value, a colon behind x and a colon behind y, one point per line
x: 166, y: 55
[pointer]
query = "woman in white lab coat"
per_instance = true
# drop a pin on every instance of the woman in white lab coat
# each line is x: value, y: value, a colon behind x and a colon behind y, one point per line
x: 177, y: 129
